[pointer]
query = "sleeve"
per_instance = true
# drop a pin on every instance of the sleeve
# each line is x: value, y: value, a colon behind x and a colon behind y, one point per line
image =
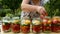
x: 43, y: 2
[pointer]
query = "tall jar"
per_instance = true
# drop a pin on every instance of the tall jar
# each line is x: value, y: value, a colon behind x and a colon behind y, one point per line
x: 25, y: 25
x: 36, y: 25
x: 6, y: 25
x: 56, y: 24
x: 46, y: 26
x: 0, y: 25
x: 15, y: 25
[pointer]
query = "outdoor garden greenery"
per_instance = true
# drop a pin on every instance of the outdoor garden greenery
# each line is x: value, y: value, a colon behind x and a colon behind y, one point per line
x: 12, y: 7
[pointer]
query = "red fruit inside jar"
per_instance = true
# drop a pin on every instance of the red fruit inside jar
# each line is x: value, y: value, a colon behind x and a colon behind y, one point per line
x: 55, y: 21
x: 56, y: 18
x: 16, y: 27
x: 37, y: 28
x: 6, y: 26
x: 45, y: 20
x: 54, y: 28
x: 46, y: 25
x: 25, y: 28
x: 46, y: 28
x: 59, y: 28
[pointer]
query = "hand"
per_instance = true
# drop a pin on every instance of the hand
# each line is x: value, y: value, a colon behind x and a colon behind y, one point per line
x: 42, y: 11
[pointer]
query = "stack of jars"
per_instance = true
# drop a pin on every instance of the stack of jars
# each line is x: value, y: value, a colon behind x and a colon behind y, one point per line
x: 11, y: 24
x: 36, y: 25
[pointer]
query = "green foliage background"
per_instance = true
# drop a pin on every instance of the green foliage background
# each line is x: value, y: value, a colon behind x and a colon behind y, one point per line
x: 53, y: 7
x: 12, y: 7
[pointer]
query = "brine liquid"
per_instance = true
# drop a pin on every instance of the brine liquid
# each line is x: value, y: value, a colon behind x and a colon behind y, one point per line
x: 36, y: 28
x: 46, y: 28
x: 15, y: 27
x: 6, y: 27
x: 56, y: 28
x: 25, y: 28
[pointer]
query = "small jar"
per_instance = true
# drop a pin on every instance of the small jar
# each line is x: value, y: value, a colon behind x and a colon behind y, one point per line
x: 46, y: 26
x: 0, y: 25
x: 36, y: 25
x: 15, y: 25
x: 6, y: 25
x: 56, y: 24
x: 25, y: 25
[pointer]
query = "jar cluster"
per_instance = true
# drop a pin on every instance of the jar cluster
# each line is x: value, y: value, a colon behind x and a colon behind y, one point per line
x: 26, y: 25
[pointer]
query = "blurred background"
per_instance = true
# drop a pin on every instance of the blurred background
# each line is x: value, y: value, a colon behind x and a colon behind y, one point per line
x: 12, y: 7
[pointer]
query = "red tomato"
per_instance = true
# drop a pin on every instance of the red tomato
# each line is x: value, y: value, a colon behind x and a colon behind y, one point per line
x: 16, y: 27
x: 55, y: 21
x: 25, y: 29
x: 54, y: 28
x: 36, y: 28
x: 45, y: 21
x: 6, y: 27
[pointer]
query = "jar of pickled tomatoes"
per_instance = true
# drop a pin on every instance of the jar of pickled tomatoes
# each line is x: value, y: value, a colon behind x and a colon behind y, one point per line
x: 36, y: 25
x: 46, y: 26
x: 6, y: 25
x: 56, y: 24
x: 15, y: 26
x: 25, y: 25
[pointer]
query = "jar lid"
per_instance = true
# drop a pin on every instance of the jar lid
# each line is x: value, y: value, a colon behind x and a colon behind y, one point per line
x: 5, y: 21
x: 15, y: 20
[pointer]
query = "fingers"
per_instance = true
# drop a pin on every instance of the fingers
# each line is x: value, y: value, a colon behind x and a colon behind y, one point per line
x: 43, y: 12
x: 46, y: 14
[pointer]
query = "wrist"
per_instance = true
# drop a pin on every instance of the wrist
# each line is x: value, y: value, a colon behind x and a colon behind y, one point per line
x: 39, y: 8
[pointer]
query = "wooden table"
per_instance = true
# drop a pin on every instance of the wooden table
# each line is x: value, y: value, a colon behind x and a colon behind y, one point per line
x: 27, y: 33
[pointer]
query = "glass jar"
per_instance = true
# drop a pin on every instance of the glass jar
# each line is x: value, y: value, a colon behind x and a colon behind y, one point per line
x: 46, y: 26
x: 15, y: 25
x: 6, y: 25
x: 0, y: 25
x: 56, y: 24
x: 36, y: 25
x: 25, y: 25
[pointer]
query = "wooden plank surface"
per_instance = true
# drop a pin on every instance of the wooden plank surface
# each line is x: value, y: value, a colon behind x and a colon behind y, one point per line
x: 27, y: 33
